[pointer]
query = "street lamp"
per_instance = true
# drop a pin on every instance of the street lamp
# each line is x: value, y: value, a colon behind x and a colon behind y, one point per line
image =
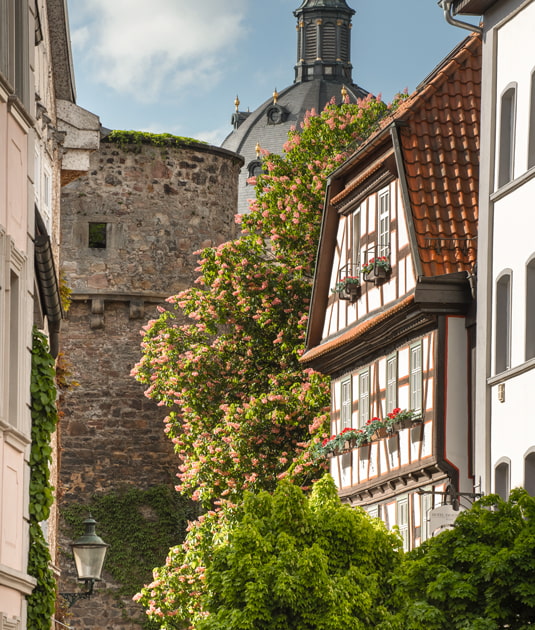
x: 89, y: 552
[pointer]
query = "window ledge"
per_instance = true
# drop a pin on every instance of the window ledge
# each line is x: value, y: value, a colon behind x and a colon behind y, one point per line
x: 513, y: 185
x: 512, y: 372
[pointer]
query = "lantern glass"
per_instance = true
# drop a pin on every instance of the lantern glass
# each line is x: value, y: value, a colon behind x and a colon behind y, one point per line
x: 89, y: 552
x: 89, y: 560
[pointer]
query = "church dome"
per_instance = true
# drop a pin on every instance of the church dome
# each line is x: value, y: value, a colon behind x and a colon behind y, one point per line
x: 322, y: 71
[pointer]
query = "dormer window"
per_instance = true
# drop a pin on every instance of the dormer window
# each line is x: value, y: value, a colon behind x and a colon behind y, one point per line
x: 255, y: 168
x: 276, y: 114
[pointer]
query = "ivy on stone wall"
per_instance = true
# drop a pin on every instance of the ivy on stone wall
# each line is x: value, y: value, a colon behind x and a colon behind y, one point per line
x: 128, y: 138
x: 44, y: 420
x: 140, y: 526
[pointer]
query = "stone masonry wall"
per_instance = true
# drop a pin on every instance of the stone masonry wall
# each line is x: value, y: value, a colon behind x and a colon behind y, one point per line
x: 160, y: 205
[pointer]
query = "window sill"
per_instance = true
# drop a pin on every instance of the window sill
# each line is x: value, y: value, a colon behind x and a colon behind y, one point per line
x: 511, y: 372
x: 513, y: 185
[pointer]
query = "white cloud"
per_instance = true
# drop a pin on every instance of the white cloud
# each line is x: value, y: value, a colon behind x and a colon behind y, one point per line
x: 143, y: 47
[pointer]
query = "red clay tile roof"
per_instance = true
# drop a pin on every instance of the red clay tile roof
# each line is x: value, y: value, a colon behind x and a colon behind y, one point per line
x: 352, y: 333
x: 440, y: 144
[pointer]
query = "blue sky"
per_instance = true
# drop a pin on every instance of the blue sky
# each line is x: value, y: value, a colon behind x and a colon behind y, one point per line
x: 176, y: 66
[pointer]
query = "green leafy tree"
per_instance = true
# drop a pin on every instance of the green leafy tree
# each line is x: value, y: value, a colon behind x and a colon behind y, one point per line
x: 242, y: 407
x: 292, y: 562
x: 479, y: 576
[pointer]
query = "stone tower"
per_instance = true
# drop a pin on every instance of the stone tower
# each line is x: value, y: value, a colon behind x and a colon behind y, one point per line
x: 129, y: 232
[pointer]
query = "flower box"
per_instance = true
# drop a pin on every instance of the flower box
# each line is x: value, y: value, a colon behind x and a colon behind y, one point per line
x: 377, y: 270
x: 348, y: 288
x: 381, y: 433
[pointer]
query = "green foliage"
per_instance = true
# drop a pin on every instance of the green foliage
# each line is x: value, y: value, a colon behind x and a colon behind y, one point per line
x: 65, y: 292
x: 287, y: 561
x: 139, y: 525
x: 242, y: 407
x: 44, y: 414
x: 126, y: 138
x: 479, y: 576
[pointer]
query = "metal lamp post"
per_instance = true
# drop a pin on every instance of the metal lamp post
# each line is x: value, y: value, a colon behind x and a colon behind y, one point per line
x: 89, y: 553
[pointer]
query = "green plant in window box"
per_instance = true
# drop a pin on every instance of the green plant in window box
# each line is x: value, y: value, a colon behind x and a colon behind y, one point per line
x: 348, y: 286
x: 377, y: 269
x: 399, y: 419
x: 344, y: 441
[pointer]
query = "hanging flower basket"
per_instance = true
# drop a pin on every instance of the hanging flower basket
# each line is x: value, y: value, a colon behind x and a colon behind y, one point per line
x: 377, y: 270
x: 348, y: 288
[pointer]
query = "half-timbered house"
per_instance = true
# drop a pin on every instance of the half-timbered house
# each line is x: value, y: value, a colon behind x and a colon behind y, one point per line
x: 392, y: 308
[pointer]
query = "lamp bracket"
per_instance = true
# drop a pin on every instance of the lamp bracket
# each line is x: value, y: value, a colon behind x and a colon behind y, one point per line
x: 72, y: 598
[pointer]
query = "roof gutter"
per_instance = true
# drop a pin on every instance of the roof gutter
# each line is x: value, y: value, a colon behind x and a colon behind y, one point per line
x: 447, y: 7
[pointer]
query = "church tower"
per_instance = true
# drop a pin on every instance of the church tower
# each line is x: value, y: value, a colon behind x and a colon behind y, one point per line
x: 324, y: 41
x: 323, y: 70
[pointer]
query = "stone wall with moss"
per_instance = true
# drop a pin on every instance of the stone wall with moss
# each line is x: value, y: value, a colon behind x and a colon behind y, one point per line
x: 154, y: 201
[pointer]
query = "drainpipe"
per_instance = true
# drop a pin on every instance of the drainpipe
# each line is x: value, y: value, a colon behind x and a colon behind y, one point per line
x: 446, y: 5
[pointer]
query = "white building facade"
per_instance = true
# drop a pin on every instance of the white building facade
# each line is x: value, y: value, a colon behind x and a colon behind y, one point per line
x: 505, y: 381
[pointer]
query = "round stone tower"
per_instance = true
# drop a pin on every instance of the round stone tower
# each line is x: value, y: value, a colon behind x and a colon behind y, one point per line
x: 129, y: 232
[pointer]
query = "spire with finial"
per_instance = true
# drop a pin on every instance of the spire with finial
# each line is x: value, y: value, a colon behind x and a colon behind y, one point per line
x: 258, y: 149
x: 275, y: 96
x: 323, y: 41
x: 237, y: 103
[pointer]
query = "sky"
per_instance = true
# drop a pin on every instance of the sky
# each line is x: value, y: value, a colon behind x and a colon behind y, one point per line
x: 176, y: 66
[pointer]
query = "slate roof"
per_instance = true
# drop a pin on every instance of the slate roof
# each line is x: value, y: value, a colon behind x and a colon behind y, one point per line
x: 297, y: 99
x: 325, y: 4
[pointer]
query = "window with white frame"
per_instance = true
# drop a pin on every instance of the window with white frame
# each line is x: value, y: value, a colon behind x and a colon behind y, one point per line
x: 391, y: 383
x: 529, y: 473
x: 502, y: 476
x: 530, y: 309
x: 531, y: 142
x: 507, y: 136
x: 403, y: 522
x: 355, y: 241
x: 426, y: 504
x: 37, y: 176
x: 346, y: 403
x: 14, y: 350
x: 46, y: 198
x: 415, y: 377
x: 384, y: 223
x: 14, y: 46
x: 503, y: 322
x: 364, y: 397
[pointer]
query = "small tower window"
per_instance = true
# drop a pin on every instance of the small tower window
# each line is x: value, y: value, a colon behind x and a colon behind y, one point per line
x: 97, y: 235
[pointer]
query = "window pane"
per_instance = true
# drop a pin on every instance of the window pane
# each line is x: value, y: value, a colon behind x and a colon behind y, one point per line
x: 503, y: 323
x: 530, y: 310
x: 391, y: 383
x: 364, y: 397
x: 415, y: 383
x: 346, y: 404
x: 403, y: 522
x: 507, y: 130
x: 384, y: 224
x: 501, y: 481
x: 97, y: 235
